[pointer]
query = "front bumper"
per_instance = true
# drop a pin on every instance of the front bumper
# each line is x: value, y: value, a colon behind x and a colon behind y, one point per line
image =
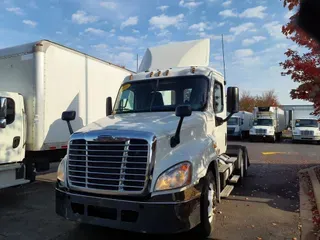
x: 261, y: 137
x: 305, y: 138
x: 137, y: 216
x: 234, y: 134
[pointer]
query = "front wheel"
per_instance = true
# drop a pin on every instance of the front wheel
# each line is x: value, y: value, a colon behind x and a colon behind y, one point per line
x: 208, y: 206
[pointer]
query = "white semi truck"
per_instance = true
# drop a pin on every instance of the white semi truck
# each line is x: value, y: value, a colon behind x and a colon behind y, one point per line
x: 151, y: 165
x: 38, y: 81
x: 269, y: 122
x: 240, y: 124
x: 305, y: 126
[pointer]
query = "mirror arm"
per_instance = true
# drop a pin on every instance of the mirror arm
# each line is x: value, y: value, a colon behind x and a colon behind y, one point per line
x: 70, y: 127
x: 220, y: 121
x: 175, y: 140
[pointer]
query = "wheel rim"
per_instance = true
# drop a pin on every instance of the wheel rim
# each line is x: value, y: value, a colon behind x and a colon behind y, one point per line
x: 211, y: 206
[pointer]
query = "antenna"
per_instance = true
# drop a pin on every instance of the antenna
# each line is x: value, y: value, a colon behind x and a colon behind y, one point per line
x: 137, y: 62
x: 224, y: 62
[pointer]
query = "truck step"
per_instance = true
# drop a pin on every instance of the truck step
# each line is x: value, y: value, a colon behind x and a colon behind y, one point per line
x: 226, y: 191
x: 234, y: 179
x: 231, y: 160
x: 9, y: 167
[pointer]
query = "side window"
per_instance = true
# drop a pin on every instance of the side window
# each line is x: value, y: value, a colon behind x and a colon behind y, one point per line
x: 127, y: 100
x: 218, y: 97
x: 169, y: 97
x: 10, y: 111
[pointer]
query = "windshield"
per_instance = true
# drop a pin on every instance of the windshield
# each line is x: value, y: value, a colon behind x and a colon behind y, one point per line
x: 233, y: 121
x: 162, y: 95
x: 306, y: 123
x: 263, y: 122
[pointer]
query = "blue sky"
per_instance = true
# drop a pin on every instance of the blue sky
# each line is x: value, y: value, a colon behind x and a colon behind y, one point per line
x: 118, y: 30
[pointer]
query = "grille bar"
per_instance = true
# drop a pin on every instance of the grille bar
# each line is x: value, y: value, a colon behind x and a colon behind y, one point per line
x: 108, y: 166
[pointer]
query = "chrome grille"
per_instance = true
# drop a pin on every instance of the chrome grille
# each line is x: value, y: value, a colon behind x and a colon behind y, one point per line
x: 110, y: 166
x: 261, y: 131
x: 307, y: 133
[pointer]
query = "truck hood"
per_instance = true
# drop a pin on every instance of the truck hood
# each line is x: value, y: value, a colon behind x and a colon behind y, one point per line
x: 159, y: 123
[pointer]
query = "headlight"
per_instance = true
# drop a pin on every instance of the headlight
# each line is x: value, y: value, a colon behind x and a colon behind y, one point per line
x: 175, y: 177
x: 62, y: 170
x: 296, y: 133
x: 271, y: 131
x: 252, y: 131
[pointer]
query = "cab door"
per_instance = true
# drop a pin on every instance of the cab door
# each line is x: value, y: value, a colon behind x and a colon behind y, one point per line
x: 12, y: 139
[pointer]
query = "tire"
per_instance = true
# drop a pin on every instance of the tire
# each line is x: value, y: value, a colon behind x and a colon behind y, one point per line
x: 274, y: 139
x: 209, y: 191
x: 241, y: 136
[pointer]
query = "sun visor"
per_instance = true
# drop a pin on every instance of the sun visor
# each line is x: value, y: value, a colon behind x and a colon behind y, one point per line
x: 177, y: 54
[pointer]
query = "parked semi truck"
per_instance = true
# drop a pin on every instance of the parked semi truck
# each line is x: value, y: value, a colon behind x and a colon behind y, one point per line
x: 151, y: 165
x: 240, y: 124
x: 37, y: 81
x: 269, y: 122
x: 305, y: 126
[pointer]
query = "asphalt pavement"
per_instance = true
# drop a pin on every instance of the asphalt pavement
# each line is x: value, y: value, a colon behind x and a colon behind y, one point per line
x: 266, y: 206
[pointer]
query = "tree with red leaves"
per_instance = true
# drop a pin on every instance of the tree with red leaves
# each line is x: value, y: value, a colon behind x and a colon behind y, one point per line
x: 302, y: 68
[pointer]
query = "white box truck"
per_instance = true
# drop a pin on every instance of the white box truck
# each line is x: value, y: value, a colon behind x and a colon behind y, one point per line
x: 269, y: 122
x: 305, y: 126
x: 240, y: 124
x: 156, y: 165
x: 38, y: 81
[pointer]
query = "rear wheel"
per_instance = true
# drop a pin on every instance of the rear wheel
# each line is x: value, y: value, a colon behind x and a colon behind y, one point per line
x: 208, y: 206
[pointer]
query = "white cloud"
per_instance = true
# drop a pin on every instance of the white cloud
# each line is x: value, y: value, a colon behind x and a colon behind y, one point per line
x: 15, y: 10
x: 242, y: 28
x: 131, y: 21
x: 220, y: 24
x: 30, y: 23
x: 163, y: 8
x: 109, y: 5
x: 123, y: 58
x: 227, y: 3
x: 81, y: 17
x: 58, y: 32
x: 164, y: 33
x: 127, y: 39
x: 288, y: 15
x: 123, y: 48
x: 79, y: 47
x: 274, y: 29
x: 228, y: 13
x: 163, y: 21
x: 202, y: 26
x: 253, y: 40
x: 135, y: 31
x: 190, y: 4
x: 256, y: 12
x: 242, y: 53
x: 101, y: 46
x: 94, y: 31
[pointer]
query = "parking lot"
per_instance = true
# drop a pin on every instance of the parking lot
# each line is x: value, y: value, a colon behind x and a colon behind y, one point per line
x: 265, y: 206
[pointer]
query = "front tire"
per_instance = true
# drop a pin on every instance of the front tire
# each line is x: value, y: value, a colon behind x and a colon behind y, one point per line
x: 208, y: 206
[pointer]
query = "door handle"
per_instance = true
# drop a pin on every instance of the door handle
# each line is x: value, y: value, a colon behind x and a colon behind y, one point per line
x: 16, y: 142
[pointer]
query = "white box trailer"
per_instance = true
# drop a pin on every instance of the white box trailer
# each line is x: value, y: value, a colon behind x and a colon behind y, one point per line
x: 305, y: 125
x: 269, y: 122
x: 38, y: 81
x: 240, y: 124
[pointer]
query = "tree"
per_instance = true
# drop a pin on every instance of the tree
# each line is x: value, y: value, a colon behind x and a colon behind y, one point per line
x: 267, y: 98
x: 303, y: 68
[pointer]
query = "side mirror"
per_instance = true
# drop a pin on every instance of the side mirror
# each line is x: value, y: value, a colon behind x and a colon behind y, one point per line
x: 233, y: 100
x: 241, y: 121
x: 109, y: 106
x: 182, y: 111
x: 69, y: 116
x: 3, y: 108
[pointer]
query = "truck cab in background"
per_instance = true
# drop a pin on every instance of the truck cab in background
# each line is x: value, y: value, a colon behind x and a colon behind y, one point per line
x: 159, y: 161
x: 305, y: 126
x: 240, y: 124
x: 269, y: 122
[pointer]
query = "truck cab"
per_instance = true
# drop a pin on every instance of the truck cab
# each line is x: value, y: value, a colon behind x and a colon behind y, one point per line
x: 160, y: 151
x: 234, y: 126
x: 306, y: 129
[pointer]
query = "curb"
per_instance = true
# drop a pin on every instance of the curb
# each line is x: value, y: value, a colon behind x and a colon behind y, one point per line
x: 306, y: 226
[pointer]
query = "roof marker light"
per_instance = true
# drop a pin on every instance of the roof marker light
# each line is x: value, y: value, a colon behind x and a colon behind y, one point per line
x: 131, y: 77
x: 151, y: 74
x: 159, y: 73
x: 193, y: 69
x: 166, y: 73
